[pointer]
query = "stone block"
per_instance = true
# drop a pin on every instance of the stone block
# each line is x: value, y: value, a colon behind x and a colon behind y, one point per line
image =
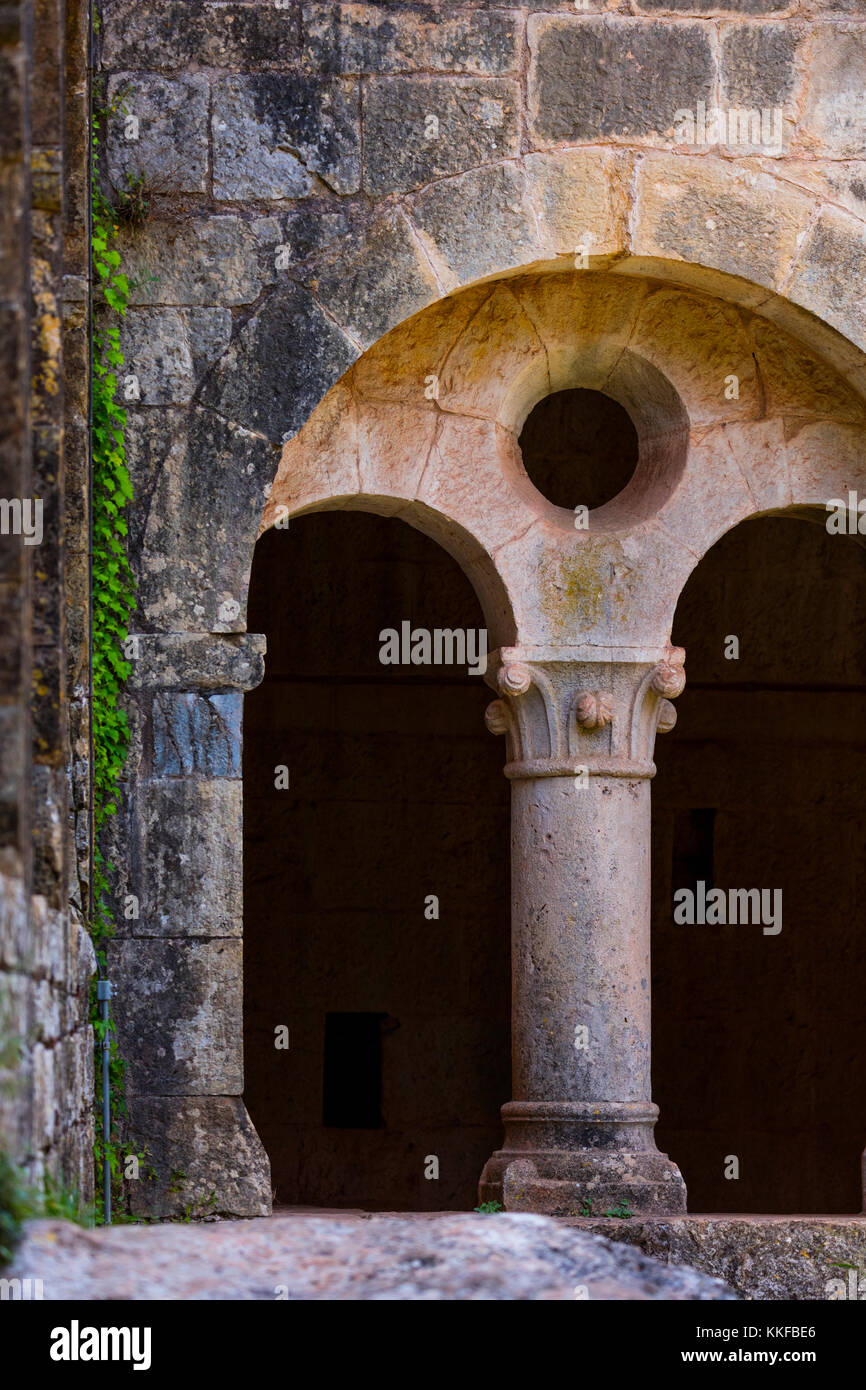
x: 581, y: 200
x: 711, y: 8
x: 759, y: 66
x: 181, y: 660
x: 446, y: 215
x: 602, y: 78
x: 195, y: 990
x: 223, y: 260
x: 373, y: 288
x: 195, y: 733
x: 206, y: 480
x: 263, y: 381
x: 275, y: 134
x: 833, y: 259
x: 834, y: 114
x: 177, y: 33
x: 188, y: 883
x: 376, y: 38
x: 169, y: 350
x: 736, y: 220
x: 197, y: 1147
x: 419, y: 129
x: 170, y: 144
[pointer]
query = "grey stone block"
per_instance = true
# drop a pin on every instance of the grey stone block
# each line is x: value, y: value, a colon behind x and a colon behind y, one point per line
x: 758, y: 67
x: 194, y: 989
x: 192, y: 546
x: 274, y: 133
x: 195, y: 733
x: 188, y: 884
x: 416, y: 130
x: 176, y: 33
x: 593, y: 78
x: 199, y: 1146
x: 372, y: 289
x: 171, y: 131
x: 447, y: 212
x: 266, y: 381
x: 222, y: 261
x: 380, y: 39
x: 184, y: 659
x: 169, y: 350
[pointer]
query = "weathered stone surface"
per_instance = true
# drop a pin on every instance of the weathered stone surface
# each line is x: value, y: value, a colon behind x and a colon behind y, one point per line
x: 700, y: 345
x: 376, y: 38
x: 207, y: 480
x: 195, y: 733
x: 369, y: 290
x: 180, y: 660
x: 418, y: 130
x: 716, y: 7
x: 222, y: 260
x: 274, y: 133
x: 177, y: 33
x: 205, y: 1156
x: 762, y: 1257
x: 581, y: 200
x: 188, y: 884
x: 593, y: 78
x: 171, y: 136
x: 437, y: 1257
x: 197, y: 1049
x: 446, y: 215
x: 834, y: 119
x: 169, y: 350
x: 739, y: 222
x: 263, y: 382
x: 833, y: 259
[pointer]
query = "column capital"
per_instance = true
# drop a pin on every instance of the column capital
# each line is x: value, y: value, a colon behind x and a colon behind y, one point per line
x: 562, y: 716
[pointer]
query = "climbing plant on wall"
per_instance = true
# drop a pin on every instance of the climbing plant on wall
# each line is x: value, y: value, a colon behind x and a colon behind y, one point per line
x: 112, y: 600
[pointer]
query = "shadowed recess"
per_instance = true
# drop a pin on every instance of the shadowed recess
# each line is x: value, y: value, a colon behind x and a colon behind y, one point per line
x: 757, y: 1038
x: 397, y: 1013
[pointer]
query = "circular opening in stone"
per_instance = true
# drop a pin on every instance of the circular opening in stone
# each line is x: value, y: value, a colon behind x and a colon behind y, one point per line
x: 580, y: 448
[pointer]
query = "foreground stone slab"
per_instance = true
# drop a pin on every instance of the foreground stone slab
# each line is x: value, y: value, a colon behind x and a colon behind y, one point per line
x: 762, y: 1257
x: 445, y: 1256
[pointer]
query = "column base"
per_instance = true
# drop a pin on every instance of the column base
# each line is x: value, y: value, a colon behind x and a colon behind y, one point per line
x: 582, y: 1158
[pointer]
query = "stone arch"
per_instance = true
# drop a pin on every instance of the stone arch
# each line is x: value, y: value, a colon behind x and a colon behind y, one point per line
x: 423, y: 423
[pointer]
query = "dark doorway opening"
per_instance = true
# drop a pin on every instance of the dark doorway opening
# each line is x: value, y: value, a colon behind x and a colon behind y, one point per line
x: 376, y: 888
x: 758, y: 1038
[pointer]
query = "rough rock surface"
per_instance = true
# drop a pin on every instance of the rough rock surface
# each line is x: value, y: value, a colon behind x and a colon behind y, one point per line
x: 762, y: 1257
x: 354, y: 1256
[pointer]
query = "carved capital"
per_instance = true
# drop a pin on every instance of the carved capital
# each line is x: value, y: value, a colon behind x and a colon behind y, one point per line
x: 563, y: 717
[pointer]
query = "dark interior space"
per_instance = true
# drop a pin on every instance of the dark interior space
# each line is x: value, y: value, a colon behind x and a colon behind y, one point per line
x: 758, y: 1039
x: 398, y: 1019
x: 579, y: 447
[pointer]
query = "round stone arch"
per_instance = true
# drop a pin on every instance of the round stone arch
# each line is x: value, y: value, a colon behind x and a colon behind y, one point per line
x: 424, y: 424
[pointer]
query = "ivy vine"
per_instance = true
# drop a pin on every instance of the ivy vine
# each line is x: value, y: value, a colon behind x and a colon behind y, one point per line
x: 112, y: 605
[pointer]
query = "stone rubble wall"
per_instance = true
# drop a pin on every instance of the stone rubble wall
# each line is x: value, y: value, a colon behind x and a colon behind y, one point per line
x: 46, y: 959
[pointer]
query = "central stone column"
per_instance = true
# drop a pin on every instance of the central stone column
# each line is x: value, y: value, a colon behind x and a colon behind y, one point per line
x: 579, y: 1131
